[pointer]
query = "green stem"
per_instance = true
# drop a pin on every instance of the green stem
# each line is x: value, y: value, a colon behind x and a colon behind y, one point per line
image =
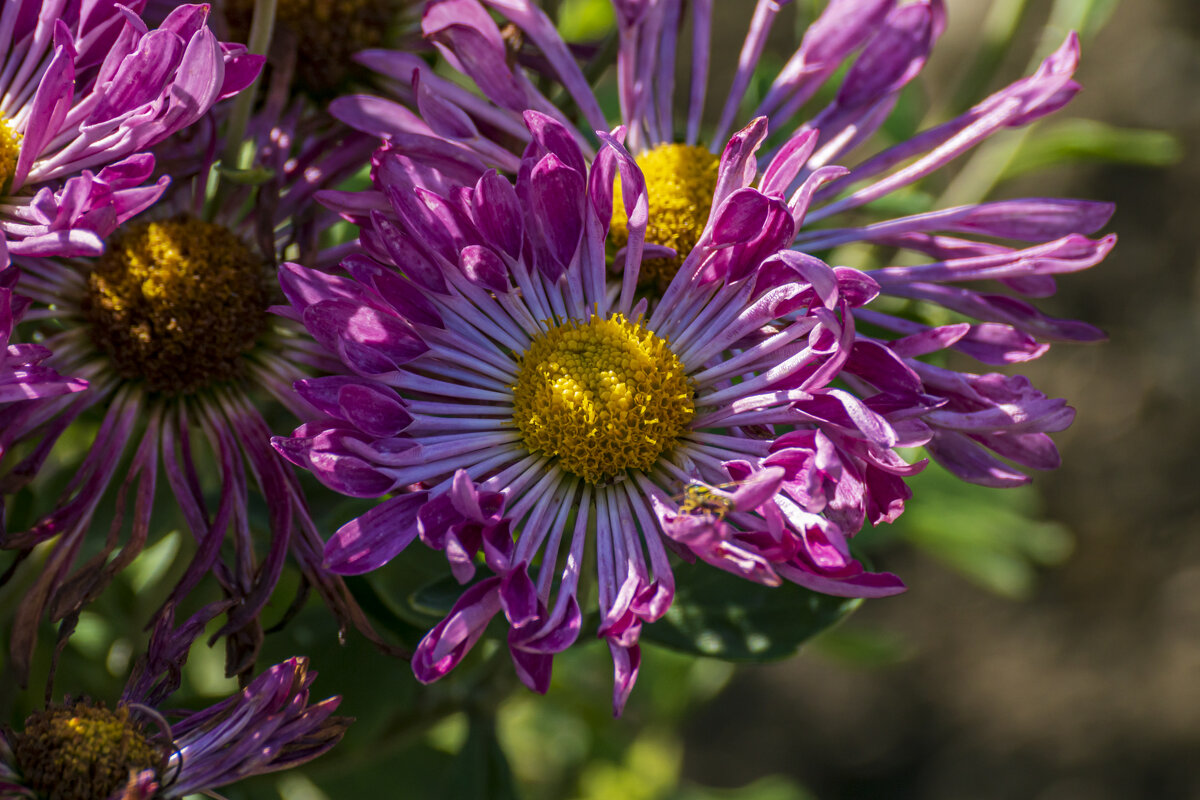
x: 262, y: 27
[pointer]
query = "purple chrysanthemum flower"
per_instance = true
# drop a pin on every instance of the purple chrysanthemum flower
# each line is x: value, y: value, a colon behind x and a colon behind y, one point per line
x: 87, y: 89
x: 1021, y: 244
x: 527, y: 413
x: 22, y: 374
x: 85, y: 751
x: 171, y: 327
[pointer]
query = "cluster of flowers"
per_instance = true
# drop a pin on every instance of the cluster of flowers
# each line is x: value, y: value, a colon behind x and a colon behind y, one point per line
x: 556, y: 338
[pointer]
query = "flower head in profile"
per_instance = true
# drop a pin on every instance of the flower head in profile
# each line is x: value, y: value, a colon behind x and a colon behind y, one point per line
x: 84, y: 751
x: 817, y: 171
x: 172, y: 330
x: 529, y: 417
x: 87, y: 90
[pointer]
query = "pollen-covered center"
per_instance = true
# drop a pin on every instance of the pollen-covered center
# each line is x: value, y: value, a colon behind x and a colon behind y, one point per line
x: 324, y: 34
x: 82, y: 752
x: 604, y: 396
x: 10, y: 151
x: 177, y: 302
x: 680, y: 180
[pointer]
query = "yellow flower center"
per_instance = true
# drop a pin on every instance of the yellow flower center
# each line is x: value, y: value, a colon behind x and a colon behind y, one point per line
x: 10, y: 151
x: 680, y: 180
x: 325, y: 33
x: 82, y: 752
x: 603, y: 396
x: 177, y: 302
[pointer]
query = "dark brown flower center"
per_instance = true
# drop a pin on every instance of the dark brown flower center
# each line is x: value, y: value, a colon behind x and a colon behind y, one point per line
x: 325, y: 35
x: 176, y: 303
x: 82, y: 752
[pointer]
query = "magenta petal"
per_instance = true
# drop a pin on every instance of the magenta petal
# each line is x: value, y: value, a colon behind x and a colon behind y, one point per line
x: 470, y: 37
x: 739, y: 164
x: 47, y: 111
x: 346, y: 473
x: 532, y: 668
x: 375, y: 538
x: 453, y: 637
x: 891, y: 58
x: 240, y: 71
x: 626, y: 661
x: 497, y: 213
x: 484, y: 268
x: 394, y: 289
x: 408, y: 255
x: 966, y: 459
x: 374, y: 342
x: 740, y: 217
x: 788, y: 162
x: 519, y: 598
x: 304, y: 287
x: 555, y: 214
x: 444, y: 118
x: 140, y: 76
x: 69, y: 244
x: 866, y: 584
x: 552, y: 137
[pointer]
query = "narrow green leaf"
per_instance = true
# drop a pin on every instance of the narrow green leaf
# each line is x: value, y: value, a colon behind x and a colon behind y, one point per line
x: 1087, y: 140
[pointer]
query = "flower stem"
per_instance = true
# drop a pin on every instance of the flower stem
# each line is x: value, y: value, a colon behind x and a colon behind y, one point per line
x: 262, y: 27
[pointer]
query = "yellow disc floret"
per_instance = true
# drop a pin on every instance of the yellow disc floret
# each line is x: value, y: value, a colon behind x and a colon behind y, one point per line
x: 603, y: 396
x: 680, y: 180
x: 177, y: 302
x: 10, y: 151
x: 82, y: 752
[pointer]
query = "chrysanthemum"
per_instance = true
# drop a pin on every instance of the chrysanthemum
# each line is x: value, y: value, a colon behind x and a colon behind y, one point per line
x: 171, y: 328
x: 85, y: 90
x: 547, y: 419
x: 813, y: 172
x: 85, y: 751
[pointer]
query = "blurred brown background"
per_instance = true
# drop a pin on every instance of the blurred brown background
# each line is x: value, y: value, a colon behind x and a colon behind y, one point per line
x: 1089, y: 690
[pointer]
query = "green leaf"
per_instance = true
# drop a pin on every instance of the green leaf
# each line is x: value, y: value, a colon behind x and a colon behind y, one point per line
x: 720, y: 615
x: 436, y: 599
x: 585, y: 20
x: 481, y: 770
x: 1087, y: 140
